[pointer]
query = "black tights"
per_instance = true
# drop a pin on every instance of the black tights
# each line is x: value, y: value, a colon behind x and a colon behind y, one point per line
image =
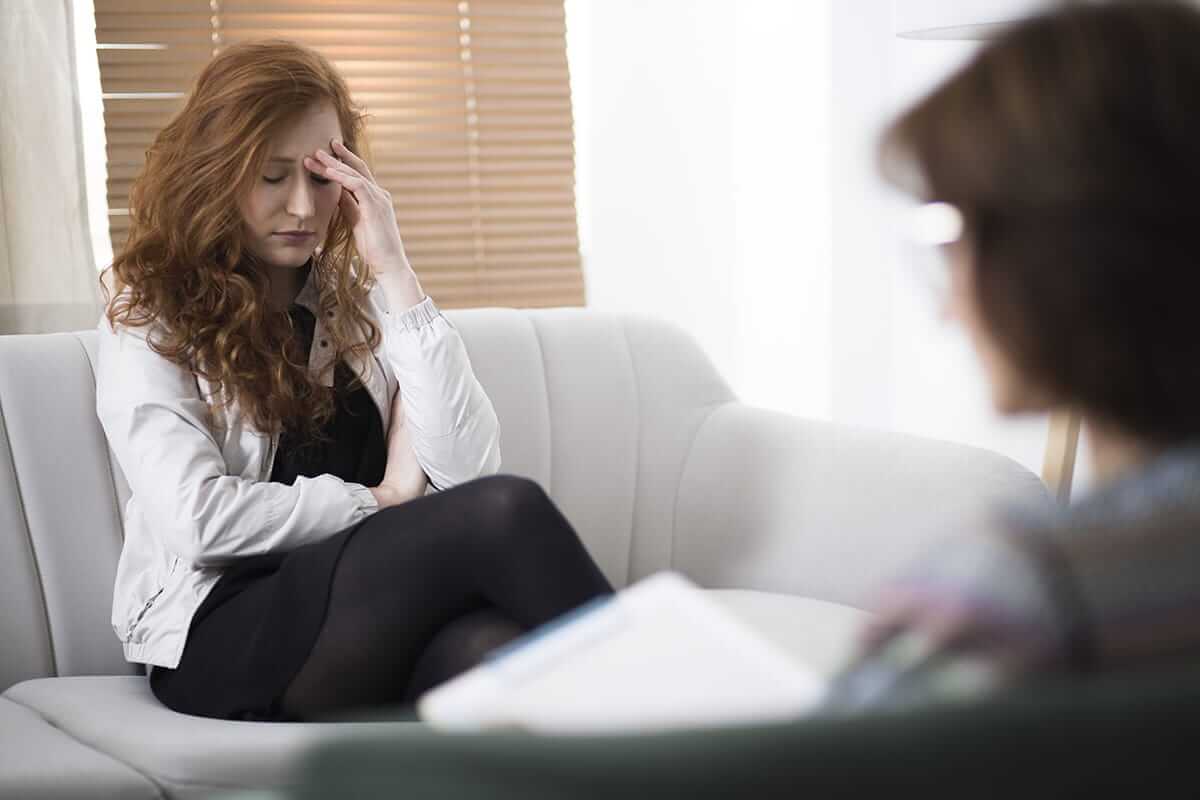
x: 423, y: 590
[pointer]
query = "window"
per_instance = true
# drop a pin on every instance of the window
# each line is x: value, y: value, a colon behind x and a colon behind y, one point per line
x: 469, y: 122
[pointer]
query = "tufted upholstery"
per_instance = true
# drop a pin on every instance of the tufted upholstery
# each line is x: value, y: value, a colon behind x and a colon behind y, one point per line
x: 621, y: 418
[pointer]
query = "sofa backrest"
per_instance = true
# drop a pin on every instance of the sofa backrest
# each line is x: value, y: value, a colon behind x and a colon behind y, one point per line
x: 599, y: 408
x: 60, y: 531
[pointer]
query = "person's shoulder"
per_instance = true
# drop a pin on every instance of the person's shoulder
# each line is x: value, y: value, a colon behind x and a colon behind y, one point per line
x: 970, y: 616
x: 1163, y: 492
x: 985, y: 579
x: 124, y: 329
x: 117, y: 321
x: 988, y: 557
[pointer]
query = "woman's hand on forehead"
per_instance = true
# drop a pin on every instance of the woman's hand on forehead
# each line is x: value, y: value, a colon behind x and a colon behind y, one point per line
x: 366, y: 205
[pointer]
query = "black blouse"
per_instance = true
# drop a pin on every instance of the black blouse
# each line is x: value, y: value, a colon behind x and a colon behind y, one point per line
x: 355, y: 448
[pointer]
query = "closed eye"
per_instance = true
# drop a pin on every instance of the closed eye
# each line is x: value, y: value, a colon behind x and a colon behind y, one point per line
x: 316, y: 179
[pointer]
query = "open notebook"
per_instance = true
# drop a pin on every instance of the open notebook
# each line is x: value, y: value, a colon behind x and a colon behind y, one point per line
x: 655, y: 656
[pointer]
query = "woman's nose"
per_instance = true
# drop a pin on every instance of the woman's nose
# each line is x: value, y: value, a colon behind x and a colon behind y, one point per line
x: 300, y: 199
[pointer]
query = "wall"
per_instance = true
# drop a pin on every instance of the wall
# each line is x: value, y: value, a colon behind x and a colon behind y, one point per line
x: 727, y: 183
x: 702, y: 165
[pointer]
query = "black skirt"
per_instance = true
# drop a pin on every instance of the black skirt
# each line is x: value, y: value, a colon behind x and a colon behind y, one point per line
x: 255, y: 629
x: 252, y: 634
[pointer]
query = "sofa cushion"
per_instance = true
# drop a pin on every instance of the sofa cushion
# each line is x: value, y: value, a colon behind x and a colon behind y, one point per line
x: 186, y: 756
x: 39, y: 760
x: 193, y: 756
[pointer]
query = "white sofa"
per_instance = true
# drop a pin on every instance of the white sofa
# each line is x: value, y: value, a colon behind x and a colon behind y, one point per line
x: 621, y: 418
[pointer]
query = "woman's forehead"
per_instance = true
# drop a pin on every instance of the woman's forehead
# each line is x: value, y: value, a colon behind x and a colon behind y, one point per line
x: 308, y: 131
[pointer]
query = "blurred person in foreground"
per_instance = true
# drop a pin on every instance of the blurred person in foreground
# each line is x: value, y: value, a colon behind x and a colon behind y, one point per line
x: 1061, y: 166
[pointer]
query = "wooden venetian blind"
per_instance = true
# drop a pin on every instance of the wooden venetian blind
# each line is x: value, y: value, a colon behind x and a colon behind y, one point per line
x: 469, y: 122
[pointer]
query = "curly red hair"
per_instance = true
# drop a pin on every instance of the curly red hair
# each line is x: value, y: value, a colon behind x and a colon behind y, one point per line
x: 184, y: 272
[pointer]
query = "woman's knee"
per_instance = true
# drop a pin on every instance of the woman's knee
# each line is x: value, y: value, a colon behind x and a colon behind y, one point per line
x: 512, y: 505
x: 493, y: 509
x: 512, y: 497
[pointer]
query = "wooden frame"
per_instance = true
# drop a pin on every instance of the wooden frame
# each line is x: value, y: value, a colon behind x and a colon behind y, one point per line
x: 1062, y: 444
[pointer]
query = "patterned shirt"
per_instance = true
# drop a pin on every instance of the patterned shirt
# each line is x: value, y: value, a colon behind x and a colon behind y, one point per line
x: 1112, y: 582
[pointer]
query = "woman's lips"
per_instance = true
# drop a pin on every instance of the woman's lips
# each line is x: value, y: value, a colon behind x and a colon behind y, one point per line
x: 295, y: 237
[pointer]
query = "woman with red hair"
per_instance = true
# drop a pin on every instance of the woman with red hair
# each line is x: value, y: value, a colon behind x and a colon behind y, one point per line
x: 310, y: 529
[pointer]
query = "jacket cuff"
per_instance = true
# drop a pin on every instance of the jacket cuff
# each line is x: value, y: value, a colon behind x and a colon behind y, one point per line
x: 367, y: 504
x: 418, y: 316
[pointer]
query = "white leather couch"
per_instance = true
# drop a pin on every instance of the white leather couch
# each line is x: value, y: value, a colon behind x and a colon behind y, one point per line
x: 622, y: 419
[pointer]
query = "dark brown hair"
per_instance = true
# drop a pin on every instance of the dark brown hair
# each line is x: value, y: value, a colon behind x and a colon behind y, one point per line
x: 1071, y: 144
x: 184, y: 273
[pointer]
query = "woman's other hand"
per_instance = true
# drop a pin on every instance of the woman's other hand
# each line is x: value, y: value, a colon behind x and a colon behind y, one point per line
x: 403, y: 478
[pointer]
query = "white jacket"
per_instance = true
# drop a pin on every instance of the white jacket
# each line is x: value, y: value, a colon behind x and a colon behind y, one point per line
x: 201, y: 498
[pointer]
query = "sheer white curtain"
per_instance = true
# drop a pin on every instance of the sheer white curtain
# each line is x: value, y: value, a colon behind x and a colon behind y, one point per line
x: 47, y: 265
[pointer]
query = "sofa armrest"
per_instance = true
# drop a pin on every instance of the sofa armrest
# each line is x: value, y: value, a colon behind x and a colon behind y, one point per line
x: 773, y: 502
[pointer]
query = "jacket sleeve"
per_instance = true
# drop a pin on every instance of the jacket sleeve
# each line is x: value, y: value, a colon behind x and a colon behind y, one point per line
x: 974, y: 617
x: 455, y: 432
x: 157, y: 425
